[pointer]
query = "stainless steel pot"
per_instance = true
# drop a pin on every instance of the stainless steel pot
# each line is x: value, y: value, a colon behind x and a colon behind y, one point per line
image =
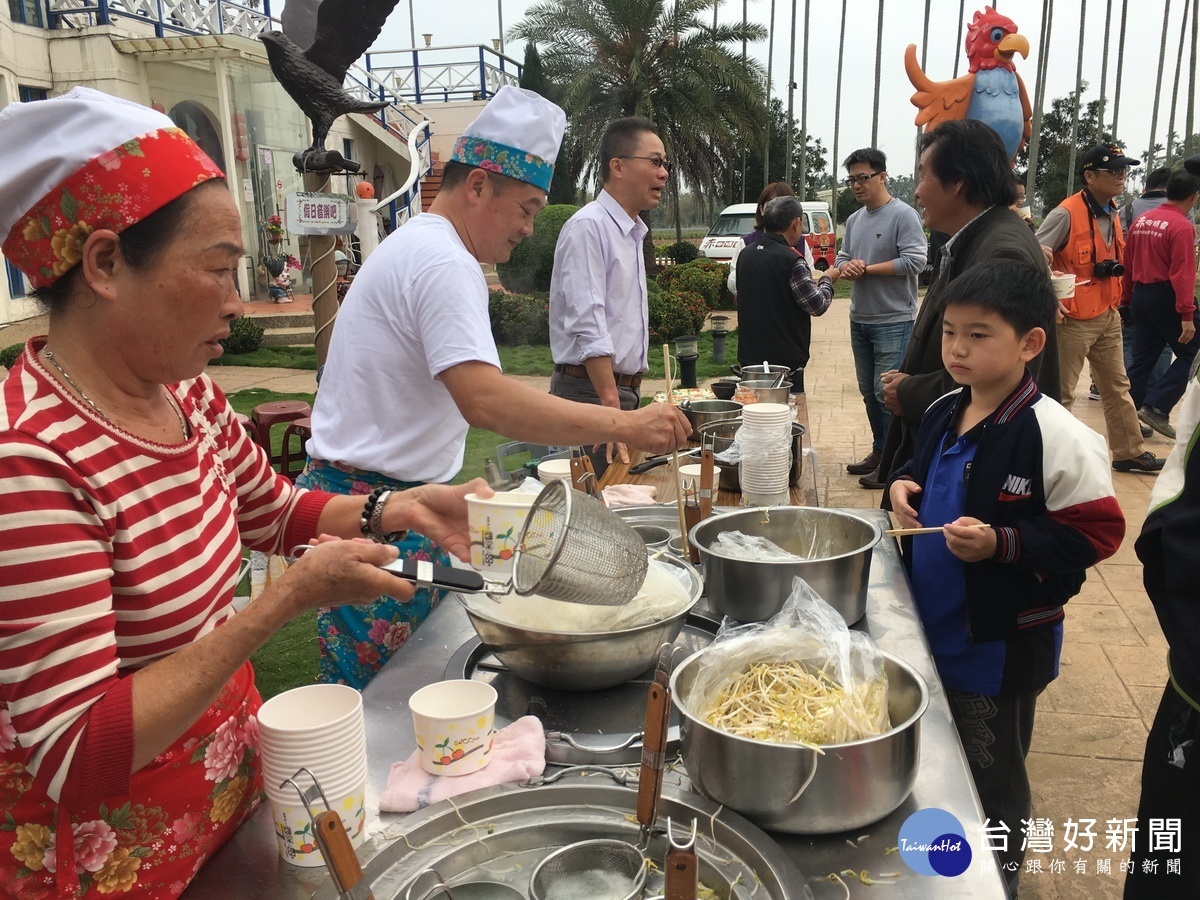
x: 720, y: 435
x: 766, y: 390
x: 785, y: 787
x: 759, y: 372
x: 703, y: 412
x: 753, y: 590
x: 581, y: 661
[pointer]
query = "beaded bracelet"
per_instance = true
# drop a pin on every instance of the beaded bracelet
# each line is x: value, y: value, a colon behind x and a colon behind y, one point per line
x: 371, y: 520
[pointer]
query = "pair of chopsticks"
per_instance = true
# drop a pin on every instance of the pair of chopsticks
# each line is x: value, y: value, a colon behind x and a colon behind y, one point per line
x: 680, y: 499
x: 937, y: 529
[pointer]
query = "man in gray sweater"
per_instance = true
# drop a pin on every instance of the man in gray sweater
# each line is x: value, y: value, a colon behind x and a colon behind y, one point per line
x: 882, y: 252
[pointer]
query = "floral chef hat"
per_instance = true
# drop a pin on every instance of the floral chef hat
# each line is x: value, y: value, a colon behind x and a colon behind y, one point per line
x: 517, y: 135
x: 82, y: 161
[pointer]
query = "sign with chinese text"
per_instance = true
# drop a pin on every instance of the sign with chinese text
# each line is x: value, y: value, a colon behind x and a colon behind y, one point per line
x: 309, y: 213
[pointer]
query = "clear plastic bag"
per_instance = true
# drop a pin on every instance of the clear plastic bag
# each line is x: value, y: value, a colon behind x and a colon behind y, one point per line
x: 757, y: 444
x: 740, y: 545
x: 801, y: 677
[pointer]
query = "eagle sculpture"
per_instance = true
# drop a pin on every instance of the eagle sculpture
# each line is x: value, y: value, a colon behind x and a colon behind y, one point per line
x: 991, y: 91
x: 319, y: 42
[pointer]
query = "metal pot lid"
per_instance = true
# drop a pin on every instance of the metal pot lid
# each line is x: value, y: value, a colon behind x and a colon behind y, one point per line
x: 499, y: 834
x: 582, y: 727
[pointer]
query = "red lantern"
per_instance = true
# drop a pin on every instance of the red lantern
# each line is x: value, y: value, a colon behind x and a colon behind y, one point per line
x: 241, y: 140
x: 364, y: 190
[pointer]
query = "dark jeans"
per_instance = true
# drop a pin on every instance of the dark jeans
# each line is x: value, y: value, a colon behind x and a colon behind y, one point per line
x: 1157, y: 325
x: 877, y: 348
x: 996, y: 733
x: 1170, y: 790
x: 1128, y: 332
x: 571, y: 387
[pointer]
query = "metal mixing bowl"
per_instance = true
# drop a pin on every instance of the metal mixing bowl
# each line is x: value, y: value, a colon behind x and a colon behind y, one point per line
x: 702, y: 412
x: 786, y: 787
x: 582, y: 661
x: 753, y: 590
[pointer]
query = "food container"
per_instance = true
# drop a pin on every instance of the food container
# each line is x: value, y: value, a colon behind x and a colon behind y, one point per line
x: 702, y: 412
x: 764, y: 391
x: 754, y: 590
x: 723, y: 389
x: 719, y: 435
x: 794, y: 789
x: 770, y: 372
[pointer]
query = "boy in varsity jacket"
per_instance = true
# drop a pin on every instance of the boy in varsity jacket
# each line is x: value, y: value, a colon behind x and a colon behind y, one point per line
x: 1024, y: 492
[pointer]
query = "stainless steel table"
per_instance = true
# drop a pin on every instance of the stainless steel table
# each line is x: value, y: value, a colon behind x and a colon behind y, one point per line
x: 250, y: 867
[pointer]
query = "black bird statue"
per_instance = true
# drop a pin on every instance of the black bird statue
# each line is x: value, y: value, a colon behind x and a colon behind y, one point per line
x: 319, y: 41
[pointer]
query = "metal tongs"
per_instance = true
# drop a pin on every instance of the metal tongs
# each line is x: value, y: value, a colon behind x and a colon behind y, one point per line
x: 333, y: 842
x: 682, y: 872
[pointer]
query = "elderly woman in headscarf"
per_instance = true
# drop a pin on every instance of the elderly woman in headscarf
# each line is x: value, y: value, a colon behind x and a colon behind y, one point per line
x: 127, y: 491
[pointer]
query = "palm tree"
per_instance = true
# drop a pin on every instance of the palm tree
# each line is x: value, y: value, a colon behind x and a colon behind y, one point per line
x: 660, y: 60
x: 1189, y: 121
x: 1162, y: 55
x: 801, y: 186
x: 1078, y: 97
x: 878, y: 80
x: 1171, y: 136
x: 770, y: 61
x: 837, y: 117
x: 787, y: 165
x: 1120, y: 68
x: 1103, y: 70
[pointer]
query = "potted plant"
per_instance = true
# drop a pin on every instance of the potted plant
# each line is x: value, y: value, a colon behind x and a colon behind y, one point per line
x: 273, y: 226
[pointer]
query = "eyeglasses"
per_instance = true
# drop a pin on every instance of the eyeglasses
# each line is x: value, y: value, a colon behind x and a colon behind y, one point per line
x: 657, y: 161
x: 852, y: 180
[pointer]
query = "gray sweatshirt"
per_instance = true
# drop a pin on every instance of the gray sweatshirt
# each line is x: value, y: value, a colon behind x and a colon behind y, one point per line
x: 892, y: 233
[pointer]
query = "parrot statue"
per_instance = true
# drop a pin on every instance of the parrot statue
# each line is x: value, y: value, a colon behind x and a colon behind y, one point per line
x: 991, y: 91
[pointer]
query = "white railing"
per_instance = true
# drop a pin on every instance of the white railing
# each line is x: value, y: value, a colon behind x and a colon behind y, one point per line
x: 164, y: 16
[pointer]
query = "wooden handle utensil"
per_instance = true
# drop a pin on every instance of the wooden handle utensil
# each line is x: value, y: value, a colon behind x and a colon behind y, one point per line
x: 334, y: 844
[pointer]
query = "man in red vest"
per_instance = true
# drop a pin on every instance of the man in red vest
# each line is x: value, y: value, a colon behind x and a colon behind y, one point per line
x: 1082, y: 237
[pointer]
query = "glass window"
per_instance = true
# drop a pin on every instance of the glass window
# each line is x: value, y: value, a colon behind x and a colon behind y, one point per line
x: 734, y: 224
x: 29, y: 94
x: 26, y: 12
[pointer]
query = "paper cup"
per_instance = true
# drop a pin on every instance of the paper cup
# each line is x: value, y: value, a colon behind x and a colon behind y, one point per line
x: 454, y: 723
x: 1064, y: 286
x: 495, y: 525
x: 691, y: 472
x: 294, y: 830
x: 554, y: 470
x: 311, y: 710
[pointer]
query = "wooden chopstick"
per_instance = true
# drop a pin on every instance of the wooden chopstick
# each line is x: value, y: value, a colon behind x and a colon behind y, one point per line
x: 680, y: 500
x: 937, y: 529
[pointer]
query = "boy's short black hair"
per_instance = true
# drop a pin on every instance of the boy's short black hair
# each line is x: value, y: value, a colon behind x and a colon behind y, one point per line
x: 1017, y: 292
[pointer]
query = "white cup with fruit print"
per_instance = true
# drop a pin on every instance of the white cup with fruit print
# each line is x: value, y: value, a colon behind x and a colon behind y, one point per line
x: 454, y: 723
x: 495, y: 525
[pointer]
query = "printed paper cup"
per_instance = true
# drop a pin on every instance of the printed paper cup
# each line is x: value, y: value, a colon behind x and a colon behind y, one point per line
x: 691, y: 472
x: 294, y: 830
x: 454, y: 722
x: 311, y: 710
x: 495, y: 525
x: 1064, y: 286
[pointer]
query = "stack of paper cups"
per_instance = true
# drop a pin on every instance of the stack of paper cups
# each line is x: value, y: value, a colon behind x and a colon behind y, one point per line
x: 765, y: 481
x: 318, y: 727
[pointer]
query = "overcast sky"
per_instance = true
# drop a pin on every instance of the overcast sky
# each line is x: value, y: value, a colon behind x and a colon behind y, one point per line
x: 477, y: 21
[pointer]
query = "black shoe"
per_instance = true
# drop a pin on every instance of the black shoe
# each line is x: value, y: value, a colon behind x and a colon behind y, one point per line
x: 1147, y: 462
x: 1093, y: 391
x: 873, y: 480
x: 864, y: 466
x: 1156, y: 420
x: 1145, y: 429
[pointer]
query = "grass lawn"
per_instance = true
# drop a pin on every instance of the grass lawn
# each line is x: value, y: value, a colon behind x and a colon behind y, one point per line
x: 272, y: 357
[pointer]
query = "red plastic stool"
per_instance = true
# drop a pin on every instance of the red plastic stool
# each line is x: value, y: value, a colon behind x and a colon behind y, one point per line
x: 278, y: 412
x: 291, y: 465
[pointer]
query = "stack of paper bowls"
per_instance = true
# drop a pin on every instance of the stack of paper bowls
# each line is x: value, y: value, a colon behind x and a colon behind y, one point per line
x: 318, y: 727
x: 766, y: 483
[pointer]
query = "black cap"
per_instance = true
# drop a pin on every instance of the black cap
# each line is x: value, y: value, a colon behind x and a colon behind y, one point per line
x: 1106, y: 156
x: 1192, y: 164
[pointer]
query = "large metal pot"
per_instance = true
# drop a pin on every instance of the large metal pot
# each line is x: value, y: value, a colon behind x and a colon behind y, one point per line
x: 765, y: 390
x: 786, y: 787
x: 581, y: 661
x: 771, y: 372
x: 719, y: 435
x: 835, y: 546
x: 704, y: 412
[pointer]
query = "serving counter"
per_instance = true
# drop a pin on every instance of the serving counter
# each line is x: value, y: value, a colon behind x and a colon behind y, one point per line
x: 250, y: 867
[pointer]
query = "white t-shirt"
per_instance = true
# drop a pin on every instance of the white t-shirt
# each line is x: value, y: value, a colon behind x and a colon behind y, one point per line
x: 418, y: 307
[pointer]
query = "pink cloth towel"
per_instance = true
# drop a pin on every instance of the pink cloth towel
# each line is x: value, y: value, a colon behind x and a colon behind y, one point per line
x: 630, y: 495
x: 518, y: 752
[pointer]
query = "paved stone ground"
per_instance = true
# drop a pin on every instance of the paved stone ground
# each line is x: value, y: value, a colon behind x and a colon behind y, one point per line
x: 1092, y: 722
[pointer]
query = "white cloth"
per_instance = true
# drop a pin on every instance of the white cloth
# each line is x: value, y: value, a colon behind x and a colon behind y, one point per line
x: 516, y: 117
x: 418, y: 307
x: 598, y: 288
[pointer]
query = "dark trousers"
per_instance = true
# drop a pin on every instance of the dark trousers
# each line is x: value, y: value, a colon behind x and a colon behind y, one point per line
x: 1157, y: 325
x: 581, y: 390
x: 1170, y: 790
x: 996, y: 733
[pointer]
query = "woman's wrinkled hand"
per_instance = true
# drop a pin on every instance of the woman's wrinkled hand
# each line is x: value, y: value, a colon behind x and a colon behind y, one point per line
x: 334, y: 572
x: 438, y: 511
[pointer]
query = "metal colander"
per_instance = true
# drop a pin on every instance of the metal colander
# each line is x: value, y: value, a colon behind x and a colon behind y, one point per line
x: 573, y: 548
x: 600, y: 869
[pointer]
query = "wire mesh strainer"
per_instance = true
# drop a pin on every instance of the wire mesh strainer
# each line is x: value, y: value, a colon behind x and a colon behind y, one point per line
x: 600, y: 870
x: 573, y: 548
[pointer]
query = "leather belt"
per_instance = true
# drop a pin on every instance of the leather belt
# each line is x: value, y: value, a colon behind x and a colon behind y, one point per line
x: 629, y: 381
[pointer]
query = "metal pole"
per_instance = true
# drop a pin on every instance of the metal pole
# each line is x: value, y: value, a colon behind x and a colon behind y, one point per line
x: 500, y: 21
x: 924, y: 54
x: 412, y: 25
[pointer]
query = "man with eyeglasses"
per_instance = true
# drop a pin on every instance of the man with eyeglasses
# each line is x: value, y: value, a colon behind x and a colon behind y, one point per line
x: 599, y: 321
x: 1082, y: 237
x: 883, y: 252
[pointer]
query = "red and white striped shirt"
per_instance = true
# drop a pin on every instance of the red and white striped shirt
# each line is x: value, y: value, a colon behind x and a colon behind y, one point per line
x: 114, y: 552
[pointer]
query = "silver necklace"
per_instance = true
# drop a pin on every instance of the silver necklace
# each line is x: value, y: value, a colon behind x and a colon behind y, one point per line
x: 50, y: 358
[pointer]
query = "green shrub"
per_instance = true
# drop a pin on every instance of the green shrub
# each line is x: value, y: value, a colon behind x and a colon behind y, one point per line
x: 684, y: 251
x: 519, y: 319
x: 675, y: 313
x: 532, y: 261
x: 245, y: 336
x: 9, y: 355
x: 704, y: 279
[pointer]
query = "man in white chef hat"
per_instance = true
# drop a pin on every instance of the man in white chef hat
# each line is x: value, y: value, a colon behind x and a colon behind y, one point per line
x: 412, y: 363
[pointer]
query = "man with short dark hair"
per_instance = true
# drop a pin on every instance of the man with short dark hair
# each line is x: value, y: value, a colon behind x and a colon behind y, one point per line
x: 882, y: 252
x: 1160, y: 286
x: 599, y: 321
x: 777, y: 296
x: 965, y: 189
x: 1082, y: 237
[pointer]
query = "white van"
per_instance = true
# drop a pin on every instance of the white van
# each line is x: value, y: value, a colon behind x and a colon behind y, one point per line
x: 724, y: 239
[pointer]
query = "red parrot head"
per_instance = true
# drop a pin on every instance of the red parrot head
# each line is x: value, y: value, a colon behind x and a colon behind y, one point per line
x: 992, y: 39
